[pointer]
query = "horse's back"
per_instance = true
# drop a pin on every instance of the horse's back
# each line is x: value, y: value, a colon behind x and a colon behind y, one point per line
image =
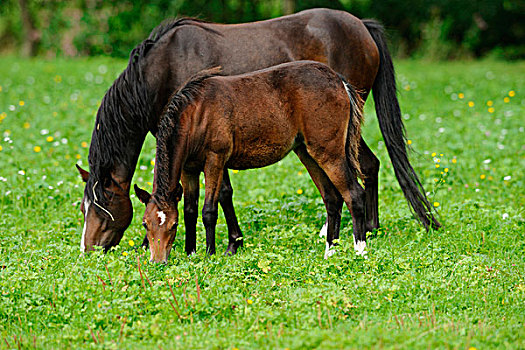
x: 333, y: 37
x: 267, y: 113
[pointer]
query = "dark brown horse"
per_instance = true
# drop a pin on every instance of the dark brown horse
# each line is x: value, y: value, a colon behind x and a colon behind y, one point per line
x: 250, y: 121
x: 178, y: 49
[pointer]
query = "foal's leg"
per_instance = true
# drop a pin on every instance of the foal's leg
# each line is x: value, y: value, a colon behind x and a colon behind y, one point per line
x: 370, y: 169
x: 345, y: 180
x: 226, y: 202
x: 190, y: 184
x: 213, y: 173
x: 331, y: 197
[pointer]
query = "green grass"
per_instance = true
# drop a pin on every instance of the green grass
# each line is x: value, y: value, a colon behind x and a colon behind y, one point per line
x: 460, y: 287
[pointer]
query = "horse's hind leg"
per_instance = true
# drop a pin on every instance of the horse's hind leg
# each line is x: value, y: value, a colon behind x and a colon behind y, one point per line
x: 226, y: 202
x: 331, y: 197
x: 370, y: 168
x: 345, y: 180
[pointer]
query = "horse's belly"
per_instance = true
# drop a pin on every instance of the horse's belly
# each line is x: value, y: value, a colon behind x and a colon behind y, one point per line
x: 258, y: 155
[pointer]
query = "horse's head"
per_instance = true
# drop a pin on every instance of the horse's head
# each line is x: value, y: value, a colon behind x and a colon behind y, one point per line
x: 104, y: 224
x: 160, y: 222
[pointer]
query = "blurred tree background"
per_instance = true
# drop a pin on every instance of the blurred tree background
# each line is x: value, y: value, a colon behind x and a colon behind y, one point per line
x: 431, y: 29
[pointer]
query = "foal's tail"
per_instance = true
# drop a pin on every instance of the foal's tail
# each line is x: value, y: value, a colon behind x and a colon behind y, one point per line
x: 392, y: 128
x: 353, y: 135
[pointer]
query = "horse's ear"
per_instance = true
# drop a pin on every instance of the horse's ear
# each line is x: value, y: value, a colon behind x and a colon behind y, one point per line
x: 177, y: 193
x: 84, y: 174
x: 143, y: 195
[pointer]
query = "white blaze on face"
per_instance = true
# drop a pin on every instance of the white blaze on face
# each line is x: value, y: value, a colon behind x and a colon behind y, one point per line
x: 162, y: 217
x: 87, y: 203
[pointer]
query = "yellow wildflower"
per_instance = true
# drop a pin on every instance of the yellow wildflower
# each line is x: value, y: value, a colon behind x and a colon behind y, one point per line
x: 446, y: 170
x: 482, y: 176
x: 512, y: 93
x: 437, y: 165
x: 506, y: 100
x: 131, y: 243
x: 249, y: 301
x: 37, y: 149
x: 490, y: 103
x: 299, y: 191
x: 21, y: 103
x: 433, y: 154
x: 470, y: 103
x: 1, y: 148
x: 461, y: 95
x: 125, y: 253
x: 235, y: 171
x: 84, y: 144
x: 49, y: 138
x: 152, y: 162
x: 436, y: 204
x: 409, y: 142
x: 454, y: 160
x: 491, y: 110
x: 78, y: 156
x: 26, y: 125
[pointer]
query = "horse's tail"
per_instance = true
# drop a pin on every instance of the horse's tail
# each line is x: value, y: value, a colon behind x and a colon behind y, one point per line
x: 392, y: 128
x: 353, y: 135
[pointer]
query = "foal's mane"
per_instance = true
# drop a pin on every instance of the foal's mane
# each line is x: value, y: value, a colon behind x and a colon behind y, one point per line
x: 126, y: 112
x: 169, y: 130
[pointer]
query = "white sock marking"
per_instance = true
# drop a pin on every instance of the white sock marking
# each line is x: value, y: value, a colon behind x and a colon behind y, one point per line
x: 328, y: 252
x: 324, y: 230
x: 360, y: 248
x: 162, y: 217
x: 87, y: 203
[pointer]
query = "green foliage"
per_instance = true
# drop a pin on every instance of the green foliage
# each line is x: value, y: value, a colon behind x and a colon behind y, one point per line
x: 455, y: 288
x: 437, y: 29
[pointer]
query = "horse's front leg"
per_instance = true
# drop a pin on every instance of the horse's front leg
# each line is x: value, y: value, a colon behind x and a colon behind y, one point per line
x: 226, y: 202
x: 213, y: 173
x: 190, y: 184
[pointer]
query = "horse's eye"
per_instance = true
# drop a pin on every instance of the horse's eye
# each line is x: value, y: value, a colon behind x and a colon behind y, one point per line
x: 145, y: 225
x: 174, y: 226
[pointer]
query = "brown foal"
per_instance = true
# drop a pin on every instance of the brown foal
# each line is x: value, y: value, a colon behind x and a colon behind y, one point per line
x: 251, y: 121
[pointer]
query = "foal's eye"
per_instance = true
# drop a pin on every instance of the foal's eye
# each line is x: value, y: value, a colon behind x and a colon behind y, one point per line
x: 145, y: 225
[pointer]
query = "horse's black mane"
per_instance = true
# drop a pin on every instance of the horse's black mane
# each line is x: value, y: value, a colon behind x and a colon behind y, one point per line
x: 125, y: 113
x: 169, y: 131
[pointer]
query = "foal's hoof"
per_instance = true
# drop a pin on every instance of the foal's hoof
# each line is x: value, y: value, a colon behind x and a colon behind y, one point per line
x: 329, y: 251
x: 360, y: 249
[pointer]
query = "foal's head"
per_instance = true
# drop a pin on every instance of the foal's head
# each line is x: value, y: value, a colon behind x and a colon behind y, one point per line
x: 105, y: 219
x: 160, y: 221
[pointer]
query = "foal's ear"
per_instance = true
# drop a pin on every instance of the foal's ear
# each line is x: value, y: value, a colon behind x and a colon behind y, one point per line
x: 177, y: 193
x: 143, y: 195
x: 84, y: 174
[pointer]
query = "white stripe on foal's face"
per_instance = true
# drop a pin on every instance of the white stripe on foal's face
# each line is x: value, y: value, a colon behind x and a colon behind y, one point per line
x: 87, y: 203
x: 162, y: 217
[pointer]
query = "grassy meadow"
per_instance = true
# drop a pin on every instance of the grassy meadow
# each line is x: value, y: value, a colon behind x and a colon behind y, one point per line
x: 462, y: 287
